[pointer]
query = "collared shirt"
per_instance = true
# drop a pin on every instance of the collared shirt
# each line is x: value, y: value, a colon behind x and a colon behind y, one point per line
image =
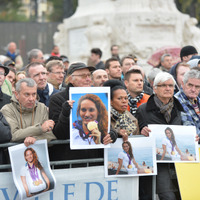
x: 189, y: 117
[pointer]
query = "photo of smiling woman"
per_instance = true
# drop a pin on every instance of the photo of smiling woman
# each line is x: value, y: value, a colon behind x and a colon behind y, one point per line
x: 91, y: 125
x: 33, y: 176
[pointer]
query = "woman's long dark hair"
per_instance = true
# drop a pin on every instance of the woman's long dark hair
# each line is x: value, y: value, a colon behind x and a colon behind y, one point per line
x: 172, y: 139
x: 102, y: 112
x: 36, y: 162
x: 130, y: 148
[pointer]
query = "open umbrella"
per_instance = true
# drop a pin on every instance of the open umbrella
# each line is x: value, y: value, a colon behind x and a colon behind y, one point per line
x: 154, y: 60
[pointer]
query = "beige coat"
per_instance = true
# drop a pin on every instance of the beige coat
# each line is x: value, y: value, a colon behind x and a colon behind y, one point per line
x: 21, y: 122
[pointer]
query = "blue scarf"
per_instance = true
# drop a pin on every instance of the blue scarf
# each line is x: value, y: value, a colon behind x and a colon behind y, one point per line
x: 11, y: 55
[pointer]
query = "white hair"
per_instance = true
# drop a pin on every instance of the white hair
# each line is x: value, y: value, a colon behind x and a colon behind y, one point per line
x: 162, y: 77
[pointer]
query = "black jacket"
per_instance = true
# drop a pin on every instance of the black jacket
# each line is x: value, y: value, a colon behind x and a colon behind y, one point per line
x: 59, y: 111
x: 4, y: 99
x: 5, y: 136
x: 149, y: 113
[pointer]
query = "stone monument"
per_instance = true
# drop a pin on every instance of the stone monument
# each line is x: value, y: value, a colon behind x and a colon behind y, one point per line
x: 138, y: 27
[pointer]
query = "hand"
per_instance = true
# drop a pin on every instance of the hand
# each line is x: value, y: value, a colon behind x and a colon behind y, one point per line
x: 107, y: 139
x: 124, y: 135
x: 48, y: 125
x: 145, y: 131
x: 70, y: 102
x: 96, y: 136
x: 29, y: 140
x: 197, y: 138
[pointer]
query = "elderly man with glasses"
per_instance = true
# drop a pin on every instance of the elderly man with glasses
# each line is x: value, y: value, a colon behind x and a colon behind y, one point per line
x: 161, y: 108
x: 188, y: 97
x: 78, y: 75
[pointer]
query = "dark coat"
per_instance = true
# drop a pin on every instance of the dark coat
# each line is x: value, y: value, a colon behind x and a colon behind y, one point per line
x: 59, y: 111
x: 149, y: 113
x: 4, y: 99
x: 5, y: 136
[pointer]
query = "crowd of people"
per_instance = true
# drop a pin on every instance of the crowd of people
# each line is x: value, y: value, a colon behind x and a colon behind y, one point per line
x: 34, y: 102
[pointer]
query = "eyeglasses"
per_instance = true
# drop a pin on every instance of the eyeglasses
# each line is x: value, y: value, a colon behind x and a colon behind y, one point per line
x: 166, y: 85
x: 83, y: 75
x: 2, y: 74
x: 58, y: 73
x: 197, y: 87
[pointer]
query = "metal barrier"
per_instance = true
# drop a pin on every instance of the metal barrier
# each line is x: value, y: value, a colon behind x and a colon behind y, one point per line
x: 71, y: 162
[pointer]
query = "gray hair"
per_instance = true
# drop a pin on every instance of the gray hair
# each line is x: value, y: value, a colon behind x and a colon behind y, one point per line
x: 34, y: 64
x: 33, y: 54
x: 193, y: 73
x: 29, y: 82
x: 163, y: 57
x: 162, y: 77
x: 153, y: 72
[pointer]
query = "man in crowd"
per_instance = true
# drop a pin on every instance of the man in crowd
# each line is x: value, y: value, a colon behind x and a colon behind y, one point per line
x: 127, y: 62
x: 134, y: 84
x: 79, y: 75
x: 35, y: 55
x: 14, y: 55
x: 38, y: 73
x: 26, y: 116
x: 113, y: 68
x: 152, y: 74
x: 55, y: 51
x: 4, y: 98
x: 166, y: 62
x: 99, y: 76
x: 115, y: 51
x: 180, y: 70
x: 188, y: 97
x: 161, y: 108
x: 55, y: 73
x: 95, y: 58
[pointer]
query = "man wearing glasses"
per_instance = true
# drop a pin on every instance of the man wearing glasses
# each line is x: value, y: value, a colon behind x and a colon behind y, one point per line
x: 188, y: 97
x: 38, y: 73
x: 55, y: 73
x: 161, y: 108
x: 78, y: 75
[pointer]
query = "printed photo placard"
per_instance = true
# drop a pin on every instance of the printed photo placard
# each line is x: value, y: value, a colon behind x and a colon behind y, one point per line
x: 136, y: 157
x: 175, y: 143
x: 90, y: 117
x: 31, y: 171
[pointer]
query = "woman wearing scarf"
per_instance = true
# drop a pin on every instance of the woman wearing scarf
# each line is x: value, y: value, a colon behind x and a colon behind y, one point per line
x: 169, y: 145
x: 33, y: 177
x: 122, y: 121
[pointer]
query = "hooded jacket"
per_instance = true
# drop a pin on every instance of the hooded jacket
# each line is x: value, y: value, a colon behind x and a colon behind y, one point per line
x: 26, y: 122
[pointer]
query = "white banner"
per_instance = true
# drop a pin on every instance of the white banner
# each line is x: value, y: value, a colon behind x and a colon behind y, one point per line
x: 78, y: 184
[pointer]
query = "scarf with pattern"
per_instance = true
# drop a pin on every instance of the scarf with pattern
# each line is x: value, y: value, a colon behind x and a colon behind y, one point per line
x: 132, y: 102
x: 123, y: 121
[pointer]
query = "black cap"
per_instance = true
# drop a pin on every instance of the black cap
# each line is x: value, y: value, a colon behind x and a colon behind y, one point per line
x: 9, y: 62
x: 5, y: 68
x: 188, y: 50
x: 76, y: 66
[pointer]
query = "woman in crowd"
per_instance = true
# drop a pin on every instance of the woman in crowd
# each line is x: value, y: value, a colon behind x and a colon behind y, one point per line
x: 33, y: 176
x: 122, y: 121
